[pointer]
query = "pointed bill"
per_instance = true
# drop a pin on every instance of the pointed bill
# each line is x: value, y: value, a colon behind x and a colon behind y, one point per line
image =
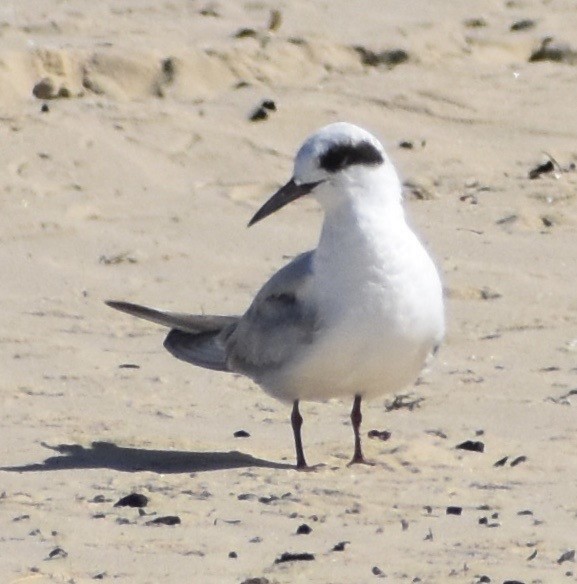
x: 289, y: 192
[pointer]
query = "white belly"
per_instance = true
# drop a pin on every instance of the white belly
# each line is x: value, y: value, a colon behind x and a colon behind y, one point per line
x: 378, y: 303
x: 374, y: 343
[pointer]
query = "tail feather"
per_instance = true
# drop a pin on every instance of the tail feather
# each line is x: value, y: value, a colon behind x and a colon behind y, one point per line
x: 195, y: 338
x: 190, y: 323
x: 202, y: 349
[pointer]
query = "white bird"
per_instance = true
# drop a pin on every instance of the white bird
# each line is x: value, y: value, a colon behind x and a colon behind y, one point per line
x: 358, y: 316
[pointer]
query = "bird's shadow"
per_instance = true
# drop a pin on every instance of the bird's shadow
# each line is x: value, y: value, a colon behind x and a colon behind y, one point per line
x: 111, y: 456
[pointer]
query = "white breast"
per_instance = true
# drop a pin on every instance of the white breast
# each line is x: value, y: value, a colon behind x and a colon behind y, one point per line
x: 381, y: 314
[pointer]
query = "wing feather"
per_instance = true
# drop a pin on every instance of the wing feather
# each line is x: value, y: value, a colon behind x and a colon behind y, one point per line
x: 278, y: 323
x: 190, y: 323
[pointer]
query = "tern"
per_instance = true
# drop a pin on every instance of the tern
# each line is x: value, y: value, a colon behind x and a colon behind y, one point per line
x: 357, y: 317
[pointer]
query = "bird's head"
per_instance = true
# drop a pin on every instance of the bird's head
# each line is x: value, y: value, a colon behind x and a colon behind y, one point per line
x: 338, y: 163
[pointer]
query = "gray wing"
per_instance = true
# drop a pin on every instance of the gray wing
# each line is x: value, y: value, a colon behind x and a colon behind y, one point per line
x: 194, y: 338
x: 278, y: 323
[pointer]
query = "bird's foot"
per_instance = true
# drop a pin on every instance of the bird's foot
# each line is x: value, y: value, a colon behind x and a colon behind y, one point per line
x: 360, y: 460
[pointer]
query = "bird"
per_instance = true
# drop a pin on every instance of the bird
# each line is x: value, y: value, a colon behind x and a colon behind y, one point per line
x: 357, y: 317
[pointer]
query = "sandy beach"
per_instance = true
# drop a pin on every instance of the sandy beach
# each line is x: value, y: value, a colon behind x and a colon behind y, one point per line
x: 131, y: 167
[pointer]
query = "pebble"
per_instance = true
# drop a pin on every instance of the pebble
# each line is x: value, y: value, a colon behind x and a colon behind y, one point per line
x: 383, y: 435
x: 275, y: 20
x: 166, y: 520
x: 568, y: 556
x: 122, y: 521
x: 524, y: 24
x: 518, y: 460
x: 540, y: 169
x: 241, y: 434
x: 389, y: 58
x: 488, y: 294
x: 168, y: 67
x: 290, y: 557
x: 132, y: 500
x: 303, y: 529
x: 420, y: 189
x: 471, y: 445
x: 437, y: 433
x: 56, y: 553
x: 247, y: 497
x: 45, y: 89
x: 552, y: 50
x: 21, y: 518
x: 475, y: 23
x: 453, y: 510
x: 261, y: 112
x: 244, y: 33
x: 470, y: 198
x: 209, y: 11
x: 507, y: 219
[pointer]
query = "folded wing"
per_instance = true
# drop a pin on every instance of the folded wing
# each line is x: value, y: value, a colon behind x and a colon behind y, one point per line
x: 275, y: 327
x: 278, y: 324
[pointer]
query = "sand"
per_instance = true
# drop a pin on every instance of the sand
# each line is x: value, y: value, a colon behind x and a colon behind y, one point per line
x: 130, y: 170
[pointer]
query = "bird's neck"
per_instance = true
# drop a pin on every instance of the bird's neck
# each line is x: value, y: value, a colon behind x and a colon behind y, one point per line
x: 357, y: 226
x: 359, y: 247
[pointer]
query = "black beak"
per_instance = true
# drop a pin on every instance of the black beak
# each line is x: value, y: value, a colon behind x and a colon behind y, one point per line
x: 290, y: 192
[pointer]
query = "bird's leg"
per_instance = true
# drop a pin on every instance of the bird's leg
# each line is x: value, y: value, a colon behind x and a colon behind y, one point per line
x: 297, y: 422
x: 356, y: 419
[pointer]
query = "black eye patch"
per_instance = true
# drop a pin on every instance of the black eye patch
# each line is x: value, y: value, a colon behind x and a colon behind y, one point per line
x: 340, y: 156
